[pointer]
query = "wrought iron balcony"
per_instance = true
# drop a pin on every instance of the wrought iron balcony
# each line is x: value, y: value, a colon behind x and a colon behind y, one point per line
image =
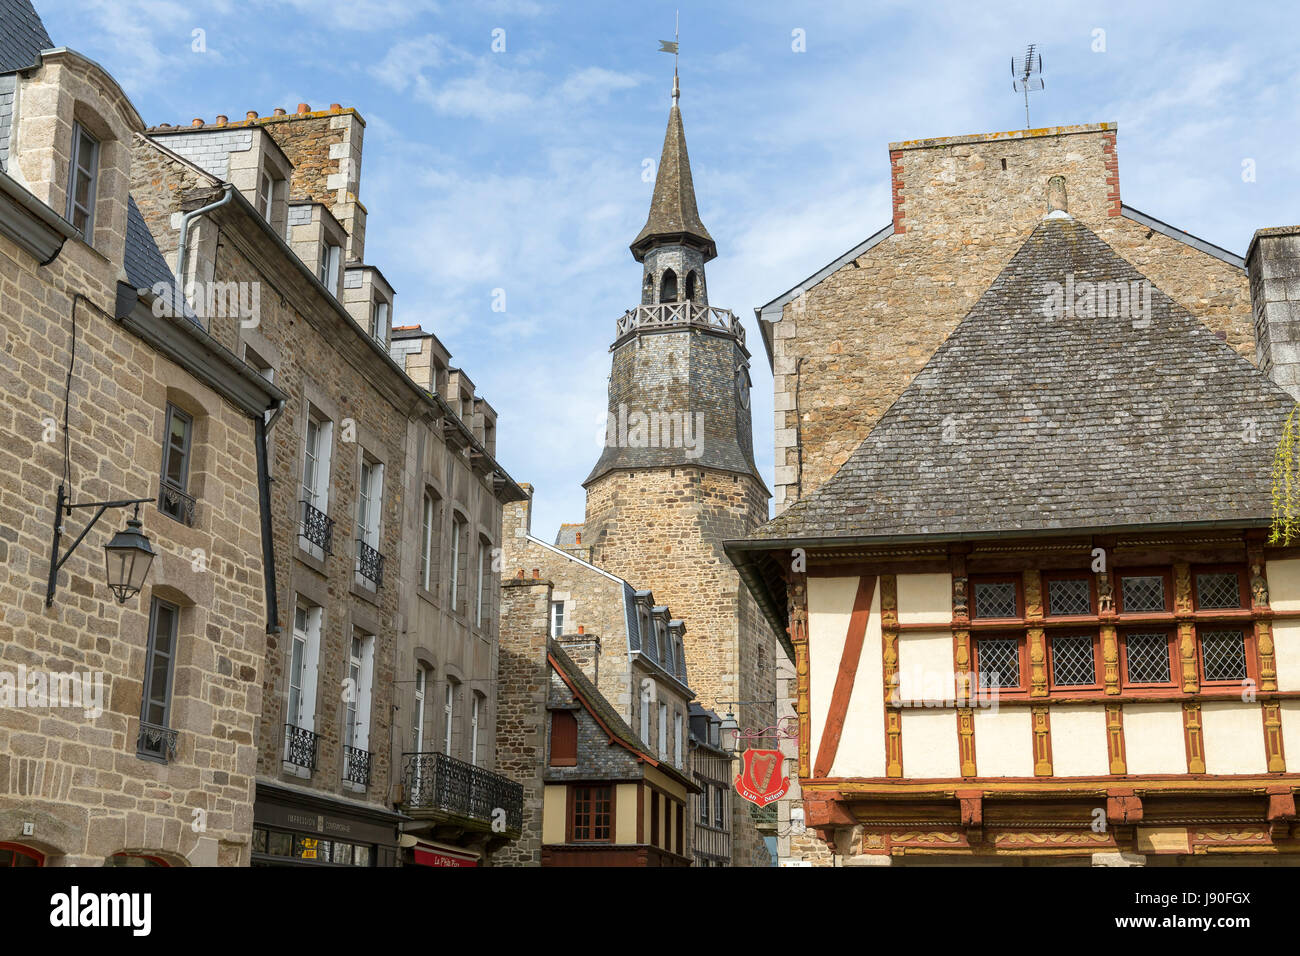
x: 671, y: 315
x: 317, y: 527
x: 300, y: 747
x: 370, y: 563
x: 174, y: 502
x: 356, y: 766
x: 156, y: 740
x: 438, y: 783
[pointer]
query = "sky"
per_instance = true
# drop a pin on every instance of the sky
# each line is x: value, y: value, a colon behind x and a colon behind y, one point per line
x: 506, y: 147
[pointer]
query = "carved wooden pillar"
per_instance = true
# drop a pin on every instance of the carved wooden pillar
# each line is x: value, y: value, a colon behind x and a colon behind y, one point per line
x: 889, y: 641
x: 1186, y: 628
x: 797, y: 604
x: 1273, y: 736
x: 1037, y: 642
x: 1042, y: 742
x: 961, y: 661
x: 966, y: 740
x: 1115, y: 738
x: 1263, y: 624
x: 1192, y: 736
x: 1109, y: 635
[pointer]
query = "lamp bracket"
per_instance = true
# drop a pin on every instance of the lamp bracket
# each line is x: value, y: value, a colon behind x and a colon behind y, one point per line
x: 64, y: 506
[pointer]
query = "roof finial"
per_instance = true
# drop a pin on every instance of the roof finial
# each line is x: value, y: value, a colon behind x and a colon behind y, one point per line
x: 670, y: 46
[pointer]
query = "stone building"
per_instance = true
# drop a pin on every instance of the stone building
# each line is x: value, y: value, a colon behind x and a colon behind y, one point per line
x: 711, y: 768
x: 376, y: 742
x: 128, y: 727
x: 1035, y: 616
x: 631, y: 651
x: 596, y: 792
x: 677, y: 477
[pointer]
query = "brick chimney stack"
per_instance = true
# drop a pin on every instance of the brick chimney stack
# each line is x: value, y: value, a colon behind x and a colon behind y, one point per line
x: 1273, y: 265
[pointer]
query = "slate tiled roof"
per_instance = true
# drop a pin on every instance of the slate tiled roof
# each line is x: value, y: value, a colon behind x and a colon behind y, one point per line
x: 142, y: 260
x: 22, y: 35
x: 673, y: 213
x: 568, y: 536
x: 1022, y: 422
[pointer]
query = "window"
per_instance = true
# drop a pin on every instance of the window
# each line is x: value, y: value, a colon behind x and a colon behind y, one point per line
x: 303, y: 657
x: 448, y: 716
x: 1218, y: 590
x: 156, y: 739
x: 13, y: 854
x: 592, y: 816
x: 654, y: 817
x: 329, y: 266
x: 475, y: 705
x: 1073, y: 662
x: 646, y: 694
x: 995, y: 598
x: 677, y: 739
x: 661, y: 645
x: 83, y: 168
x: 1223, y: 654
x: 668, y: 287
x: 266, y: 195
x: 417, y: 729
x: 459, y: 530
x: 356, y: 721
x: 703, y: 803
x: 370, y: 491
x: 484, y: 579
x: 564, y: 739
x: 557, y: 618
x: 690, y: 285
x: 172, y: 498
x: 379, y: 321
x: 663, y: 731
x: 719, y: 807
x: 1146, y: 657
x: 1141, y: 593
x: 1069, y: 595
x: 427, y: 550
x: 998, y: 663
x: 317, y: 528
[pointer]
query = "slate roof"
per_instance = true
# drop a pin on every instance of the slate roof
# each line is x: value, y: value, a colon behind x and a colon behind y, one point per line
x: 567, y: 537
x: 673, y: 213
x: 142, y: 260
x: 1021, y: 422
x: 603, y: 711
x: 22, y: 35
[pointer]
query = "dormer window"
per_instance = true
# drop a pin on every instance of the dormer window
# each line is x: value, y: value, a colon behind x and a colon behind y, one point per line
x: 266, y: 195
x: 379, y: 326
x: 329, y: 266
x: 81, y: 181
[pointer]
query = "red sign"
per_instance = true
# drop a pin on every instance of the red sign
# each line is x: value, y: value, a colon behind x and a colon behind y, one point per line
x: 431, y: 858
x: 761, y: 780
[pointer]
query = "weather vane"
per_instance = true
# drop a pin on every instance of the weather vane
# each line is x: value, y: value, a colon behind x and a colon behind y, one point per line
x: 1025, y: 71
x: 670, y: 46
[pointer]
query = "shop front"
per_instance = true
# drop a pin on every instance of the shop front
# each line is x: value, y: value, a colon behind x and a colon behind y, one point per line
x: 296, y: 828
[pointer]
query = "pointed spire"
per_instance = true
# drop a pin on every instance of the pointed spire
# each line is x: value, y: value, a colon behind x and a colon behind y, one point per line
x: 674, y: 217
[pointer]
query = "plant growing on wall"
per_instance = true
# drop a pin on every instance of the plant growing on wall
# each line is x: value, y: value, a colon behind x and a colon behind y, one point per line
x: 1286, y: 485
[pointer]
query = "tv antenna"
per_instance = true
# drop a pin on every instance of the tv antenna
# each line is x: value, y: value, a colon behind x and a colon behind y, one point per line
x: 1026, y: 72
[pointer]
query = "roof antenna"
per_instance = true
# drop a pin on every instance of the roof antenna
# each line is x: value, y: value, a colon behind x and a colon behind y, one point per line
x: 670, y: 46
x: 1023, y: 69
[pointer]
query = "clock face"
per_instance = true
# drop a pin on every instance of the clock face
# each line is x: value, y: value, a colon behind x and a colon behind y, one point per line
x: 742, y: 385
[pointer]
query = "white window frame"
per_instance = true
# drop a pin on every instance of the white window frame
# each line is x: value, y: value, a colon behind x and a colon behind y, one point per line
x: 307, y: 623
x: 79, y: 166
x: 458, y: 530
x: 677, y: 738
x: 421, y: 683
x: 265, y: 193
x: 370, y: 499
x: 663, y: 730
x: 484, y: 569
x: 331, y: 257
x: 379, y: 313
x: 426, y: 540
x: 315, y: 482
x: 448, y: 716
x: 473, y: 730
x: 557, y: 618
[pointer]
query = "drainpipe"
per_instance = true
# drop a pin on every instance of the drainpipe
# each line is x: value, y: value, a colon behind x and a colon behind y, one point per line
x: 264, y: 502
x: 182, y: 248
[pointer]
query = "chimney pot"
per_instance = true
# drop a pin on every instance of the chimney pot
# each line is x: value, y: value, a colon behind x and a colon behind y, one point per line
x: 520, y: 575
x: 303, y: 108
x: 279, y: 111
x: 222, y: 120
x: 582, y: 629
x: 251, y: 115
x: 536, y: 574
x: 196, y: 122
x: 579, y: 537
x: 335, y: 108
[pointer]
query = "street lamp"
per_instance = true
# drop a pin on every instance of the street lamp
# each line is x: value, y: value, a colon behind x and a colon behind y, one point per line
x: 728, y: 731
x: 127, y: 558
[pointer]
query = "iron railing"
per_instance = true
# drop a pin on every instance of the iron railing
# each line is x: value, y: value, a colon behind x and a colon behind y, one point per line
x: 434, y: 781
x: 300, y: 747
x: 174, y: 502
x: 317, y: 526
x: 156, y: 739
x: 686, y: 314
x: 356, y: 766
x: 370, y: 563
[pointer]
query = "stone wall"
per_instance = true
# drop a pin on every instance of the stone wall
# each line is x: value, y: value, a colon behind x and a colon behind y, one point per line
x: 522, y: 689
x: 77, y: 779
x: 667, y: 525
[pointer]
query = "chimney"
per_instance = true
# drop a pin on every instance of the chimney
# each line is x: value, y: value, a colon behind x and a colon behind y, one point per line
x: 303, y: 109
x: 196, y: 122
x: 1273, y: 266
x: 222, y: 120
x: 279, y: 111
x: 250, y: 115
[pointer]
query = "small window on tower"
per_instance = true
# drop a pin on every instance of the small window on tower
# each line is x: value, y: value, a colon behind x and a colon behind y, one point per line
x: 690, y: 286
x: 668, y: 287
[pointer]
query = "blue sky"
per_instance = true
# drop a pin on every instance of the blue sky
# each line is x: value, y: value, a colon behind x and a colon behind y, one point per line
x: 522, y: 170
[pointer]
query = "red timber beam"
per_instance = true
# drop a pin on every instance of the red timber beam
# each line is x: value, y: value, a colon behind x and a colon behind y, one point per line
x: 840, y: 696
